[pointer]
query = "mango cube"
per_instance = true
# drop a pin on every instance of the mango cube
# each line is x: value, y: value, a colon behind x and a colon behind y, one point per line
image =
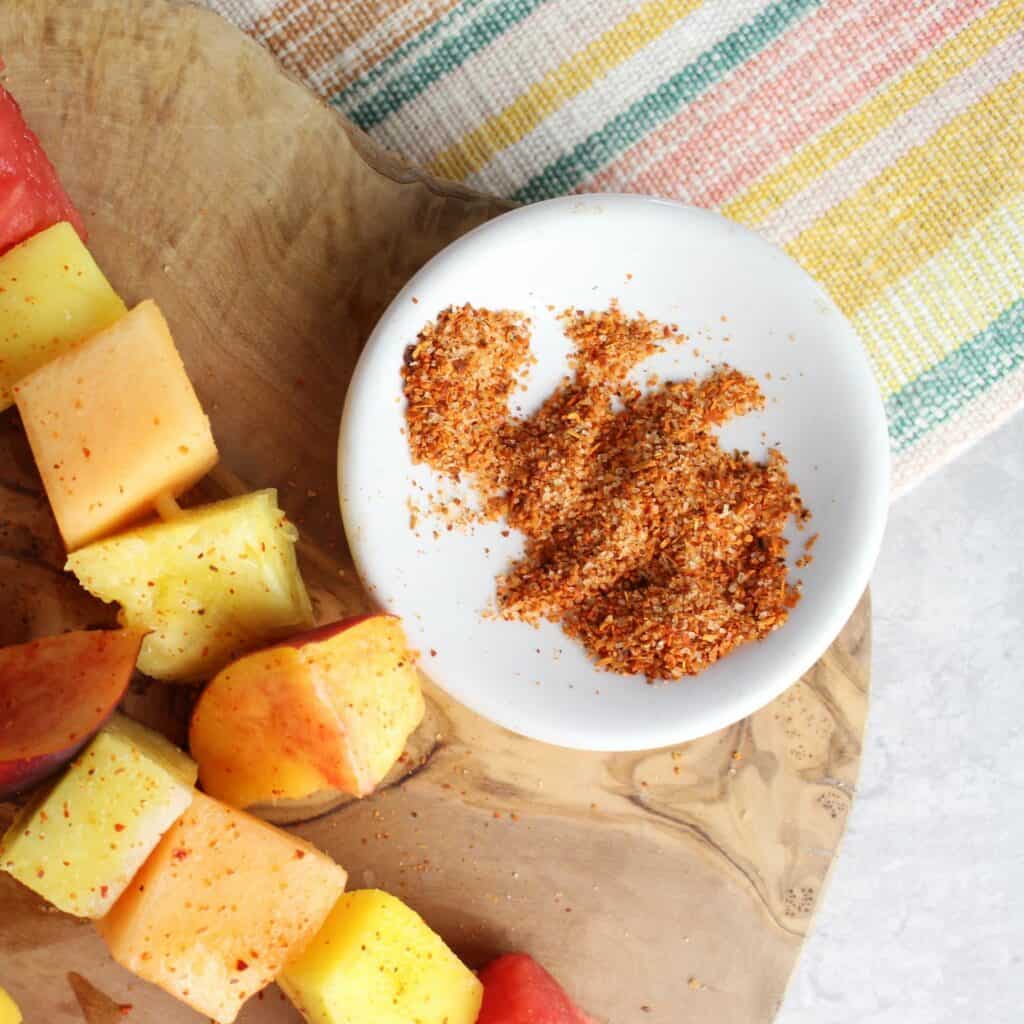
x: 208, y: 585
x: 79, y: 843
x: 375, y: 961
x: 222, y: 904
x: 9, y: 1012
x: 115, y: 425
x: 52, y: 295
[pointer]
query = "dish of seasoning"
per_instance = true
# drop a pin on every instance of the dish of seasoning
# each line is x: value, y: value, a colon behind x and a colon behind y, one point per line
x: 585, y: 458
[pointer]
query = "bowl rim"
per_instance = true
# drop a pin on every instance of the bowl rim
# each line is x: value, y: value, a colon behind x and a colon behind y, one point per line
x: 722, y: 713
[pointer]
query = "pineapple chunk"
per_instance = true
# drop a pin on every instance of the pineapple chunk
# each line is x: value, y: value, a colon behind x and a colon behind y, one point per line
x: 115, y: 427
x: 375, y: 961
x: 79, y: 843
x: 208, y: 585
x: 52, y: 295
x: 224, y: 901
x: 9, y: 1012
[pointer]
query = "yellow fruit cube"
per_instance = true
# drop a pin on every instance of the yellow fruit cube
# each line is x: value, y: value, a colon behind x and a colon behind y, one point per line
x: 207, y: 586
x: 375, y: 961
x: 114, y: 426
x: 9, y: 1012
x: 52, y: 295
x: 224, y: 901
x: 79, y: 843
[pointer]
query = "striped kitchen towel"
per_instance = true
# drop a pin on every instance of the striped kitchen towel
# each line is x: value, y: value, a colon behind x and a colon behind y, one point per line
x: 880, y: 142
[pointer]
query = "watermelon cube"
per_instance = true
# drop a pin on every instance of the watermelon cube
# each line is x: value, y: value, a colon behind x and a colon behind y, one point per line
x: 517, y: 990
x: 31, y: 196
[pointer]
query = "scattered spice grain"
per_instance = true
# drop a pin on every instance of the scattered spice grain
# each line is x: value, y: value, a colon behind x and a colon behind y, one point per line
x: 653, y: 546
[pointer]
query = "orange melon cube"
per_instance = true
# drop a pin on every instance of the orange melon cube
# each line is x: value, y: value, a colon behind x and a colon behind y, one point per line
x: 115, y: 425
x: 223, y: 903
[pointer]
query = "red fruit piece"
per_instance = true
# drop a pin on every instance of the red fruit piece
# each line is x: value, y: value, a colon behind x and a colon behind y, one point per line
x: 55, y: 693
x: 517, y: 990
x: 31, y: 195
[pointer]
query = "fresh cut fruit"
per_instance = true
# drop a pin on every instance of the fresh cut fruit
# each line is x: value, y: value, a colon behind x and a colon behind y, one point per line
x: 31, y: 196
x: 52, y: 295
x: 517, y: 990
x: 222, y: 904
x: 79, y: 843
x: 55, y: 693
x: 9, y: 1012
x: 115, y: 426
x: 375, y: 961
x: 208, y: 585
x: 328, y: 709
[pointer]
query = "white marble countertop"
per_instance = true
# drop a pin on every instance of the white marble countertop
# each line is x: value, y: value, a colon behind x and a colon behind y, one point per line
x: 923, y: 921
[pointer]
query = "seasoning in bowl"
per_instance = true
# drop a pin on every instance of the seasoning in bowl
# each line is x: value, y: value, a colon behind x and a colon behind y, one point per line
x: 648, y: 542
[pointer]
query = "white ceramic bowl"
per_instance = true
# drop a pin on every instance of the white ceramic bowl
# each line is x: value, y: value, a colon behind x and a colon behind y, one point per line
x: 741, y: 301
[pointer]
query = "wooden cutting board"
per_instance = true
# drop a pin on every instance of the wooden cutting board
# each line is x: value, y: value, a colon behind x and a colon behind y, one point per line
x: 666, y: 886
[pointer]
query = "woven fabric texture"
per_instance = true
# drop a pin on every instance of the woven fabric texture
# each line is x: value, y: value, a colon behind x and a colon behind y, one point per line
x: 880, y: 142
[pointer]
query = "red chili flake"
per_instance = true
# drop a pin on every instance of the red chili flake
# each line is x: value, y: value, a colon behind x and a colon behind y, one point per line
x: 299, y: 854
x: 125, y: 1008
x: 118, y: 827
x: 180, y: 853
x: 241, y: 965
x: 103, y: 892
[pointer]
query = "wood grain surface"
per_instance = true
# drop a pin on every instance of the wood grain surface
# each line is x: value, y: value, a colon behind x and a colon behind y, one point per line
x: 667, y: 886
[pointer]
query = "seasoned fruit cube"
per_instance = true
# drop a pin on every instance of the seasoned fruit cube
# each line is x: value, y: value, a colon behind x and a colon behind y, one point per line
x: 224, y: 901
x: 517, y: 990
x: 9, y: 1012
x: 54, y: 694
x: 216, y: 581
x: 52, y: 295
x: 375, y: 961
x: 79, y: 843
x: 115, y: 425
x: 31, y: 196
x: 329, y: 709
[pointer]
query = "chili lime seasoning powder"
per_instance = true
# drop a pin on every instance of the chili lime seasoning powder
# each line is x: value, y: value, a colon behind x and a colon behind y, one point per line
x: 653, y: 546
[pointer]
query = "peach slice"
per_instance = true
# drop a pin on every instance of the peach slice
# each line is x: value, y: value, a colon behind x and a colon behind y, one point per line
x: 329, y: 709
x: 55, y: 693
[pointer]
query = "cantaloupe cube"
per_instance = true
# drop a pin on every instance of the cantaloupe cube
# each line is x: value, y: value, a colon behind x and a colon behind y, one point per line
x: 216, y: 581
x: 375, y: 961
x: 79, y: 843
x: 221, y: 905
x: 114, y: 425
x: 52, y: 295
x: 9, y: 1012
